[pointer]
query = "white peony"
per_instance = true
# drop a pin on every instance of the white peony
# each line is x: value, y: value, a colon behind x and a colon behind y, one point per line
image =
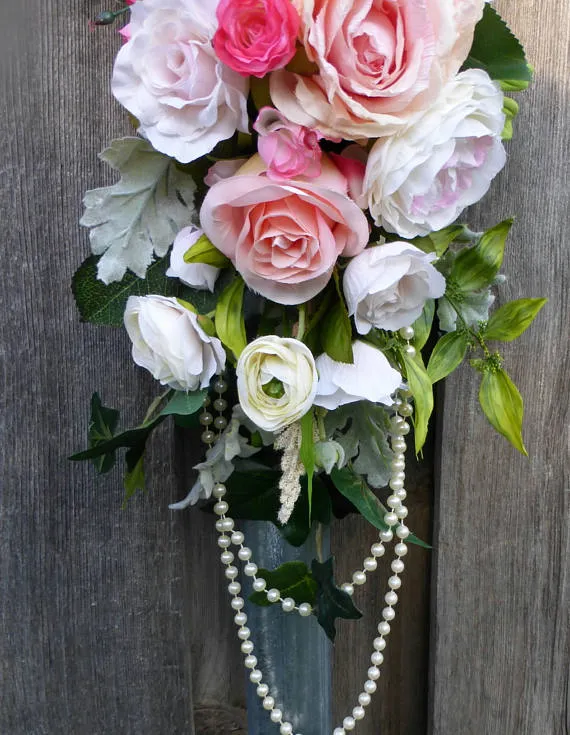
x: 170, y: 344
x: 276, y: 381
x: 386, y: 286
x: 422, y: 179
x: 169, y: 77
x: 369, y: 378
x: 196, y: 275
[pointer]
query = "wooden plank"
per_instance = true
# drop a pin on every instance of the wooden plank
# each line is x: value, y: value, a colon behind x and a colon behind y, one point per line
x: 501, y: 579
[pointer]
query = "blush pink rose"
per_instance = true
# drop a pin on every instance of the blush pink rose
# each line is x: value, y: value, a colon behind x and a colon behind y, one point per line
x: 380, y: 62
x: 255, y: 37
x: 352, y: 164
x: 284, y: 237
x: 288, y: 149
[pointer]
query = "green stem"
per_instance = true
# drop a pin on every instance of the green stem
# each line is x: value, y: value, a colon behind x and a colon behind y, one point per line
x: 154, y: 405
x: 319, y: 542
x: 301, y: 328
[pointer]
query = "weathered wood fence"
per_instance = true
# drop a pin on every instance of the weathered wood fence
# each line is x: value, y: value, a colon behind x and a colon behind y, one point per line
x: 114, y: 622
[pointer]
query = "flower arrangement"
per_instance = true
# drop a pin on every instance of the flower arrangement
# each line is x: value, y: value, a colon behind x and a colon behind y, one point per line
x: 283, y: 249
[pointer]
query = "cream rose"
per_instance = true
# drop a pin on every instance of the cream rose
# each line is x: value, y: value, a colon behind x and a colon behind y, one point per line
x: 276, y: 381
x: 169, y: 77
x: 380, y: 62
x: 170, y: 344
x: 422, y: 179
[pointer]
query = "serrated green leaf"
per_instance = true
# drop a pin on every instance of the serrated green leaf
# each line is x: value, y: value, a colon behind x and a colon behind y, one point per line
x: 307, y: 453
x: 138, y: 217
x: 353, y: 487
x: 476, y: 267
x: 512, y: 319
x: 204, y: 251
x: 102, y: 427
x: 503, y: 405
x: 292, y: 579
x: 230, y: 324
x: 447, y: 355
x: 497, y: 50
x: 331, y: 602
x: 422, y: 391
x: 184, y: 404
x: 422, y: 325
x: 336, y: 333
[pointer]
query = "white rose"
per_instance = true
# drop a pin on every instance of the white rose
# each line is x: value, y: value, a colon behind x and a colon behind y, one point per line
x: 276, y: 381
x: 386, y: 286
x: 170, y: 344
x: 196, y: 275
x: 422, y: 179
x: 168, y: 76
x: 369, y: 378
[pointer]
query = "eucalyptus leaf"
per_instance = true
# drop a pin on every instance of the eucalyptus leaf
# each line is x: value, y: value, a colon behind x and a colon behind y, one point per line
x: 230, y: 324
x: 512, y: 319
x: 447, y: 355
x: 503, y: 405
x: 474, y: 309
x: 292, y: 579
x: 331, y: 601
x: 138, y: 217
x: 422, y: 391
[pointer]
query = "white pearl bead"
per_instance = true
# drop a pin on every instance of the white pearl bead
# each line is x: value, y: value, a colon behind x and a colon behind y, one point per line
x: 358, y: 713
x: 406, y: 409
x: 275, y: 715
x: 219, y: 524
x: 401, y: 513
x: 374, y: 673
x: 394, y: 583
x: 244, y: 553
x: 348, y: 588
x: 393, y: 501
x: 227, y: 523
x: 410, y: 350
x: 250, y: 569
x: 247, y: 647
x: 305, y: 609
x: 348, y: 723
x: 396, y: 484
x: 359, y: 577
x: 391, y: 598
x: 244, y: 633
x: 364, y: 699
x: 237, y: 603
x: 404, y: 429
x: 400, y: 456
x: 379, y: 644
x: 234, y: 588
x: 221, y: 507
x: 384, y: 628
x: 224, y: 542
x: 255, y: 676
x: 288, y: 604
x: 386, y: 536
x: 401, y: 494
x: 268, y: 703
x: 240, y: 619
x: 370, y: 564
x: 388, y: 613
x: 401, y: 549
x: 339, y: 731
x: 237, y: 538
x: 226, y: 557
x: 286, y: 728
x: 259, y: 584
x: 370, y: 686
x: 402, y: 531
x: 397, y: 465
x: 231, y: 572
x: 262, y: 690
x: 273, y: 595
x: 390, y: 519
x: 377, y: 658
x: 250, y: 662
x: 399, y: 445
x: 219, y: 490
x: 407, y: 333
x: 377, y: 550
x: 397, y: 566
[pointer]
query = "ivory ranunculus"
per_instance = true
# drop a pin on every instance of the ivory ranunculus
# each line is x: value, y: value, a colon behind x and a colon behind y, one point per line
x: 169, y: 77
x: 276, y: 381
x: 380, y: 62
x: 422, y: 179
x: 170, y: 344
x: 387, y: 286
x: 369, y: 378
x: 284, y: 237
x: 196, y: 275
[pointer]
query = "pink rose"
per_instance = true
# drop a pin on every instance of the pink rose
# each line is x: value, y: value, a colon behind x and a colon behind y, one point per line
x: 352, y: 164
x: 284, y: 237
x: 288, y: 149
x: 223, y: 170
x: 380, y: 62
x: 256, y: 36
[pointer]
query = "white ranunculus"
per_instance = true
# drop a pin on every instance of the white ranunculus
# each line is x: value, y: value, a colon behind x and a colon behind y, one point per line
x: 169, y: 77
x: 170, y: 344
x: 276, y: 381
x: 196, y: 275
x: 369, y: 378
x: 386, y: 286
x: 422, y: 179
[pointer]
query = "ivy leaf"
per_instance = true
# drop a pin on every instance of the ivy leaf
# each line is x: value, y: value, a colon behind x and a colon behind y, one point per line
x: 503, y: 405
x: 353, y: 487
x: 497, y: 50
x: 422, y: 325
x: 139, y: 216
x: 476, y: 267
x: 102, y: 428
x: 512, y: 319
x: 230, y: 324
x: 331, y: 602
x: 447, y: 355
x: 204, y: 251
x: 292, y: 579
x: 422, y: 390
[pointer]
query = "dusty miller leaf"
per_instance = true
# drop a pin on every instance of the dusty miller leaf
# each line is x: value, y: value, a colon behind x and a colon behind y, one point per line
x: 140, y: 215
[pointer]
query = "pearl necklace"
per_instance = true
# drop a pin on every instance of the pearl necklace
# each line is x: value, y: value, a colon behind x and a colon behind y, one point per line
x: 394, y: 519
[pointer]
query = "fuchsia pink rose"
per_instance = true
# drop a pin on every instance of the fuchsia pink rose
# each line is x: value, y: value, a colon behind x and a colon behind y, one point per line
x: 255, y: 37
x: 285, y: 237
x: 288, y: 149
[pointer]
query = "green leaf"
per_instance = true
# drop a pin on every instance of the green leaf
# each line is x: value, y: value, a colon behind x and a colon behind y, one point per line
x: 292, y: 579
x: 353, y: 487
x: 422, y: 325
x: 497, y: 50
x: 512, y: 319
x: 503, y: 406
x: 204, y: 251
x: 476, y: 267
x: 438, y: 242
x: 447, y: 355
x: 230, y: 324
x: 307, y: 453
x: 139, y: 216
x: 511, y: 109
x: 331, y: 602
x: 102, y: 428
x: 134, y: 477
x: 516, y: 85
x: 336, y: 333
x: 422, y: 391
x: 184, y: 404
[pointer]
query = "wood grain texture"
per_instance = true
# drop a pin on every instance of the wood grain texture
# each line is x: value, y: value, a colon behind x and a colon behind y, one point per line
x: 501, y: 588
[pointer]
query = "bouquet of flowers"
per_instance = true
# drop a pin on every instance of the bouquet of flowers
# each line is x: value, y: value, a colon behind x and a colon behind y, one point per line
x: 283, y: 250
